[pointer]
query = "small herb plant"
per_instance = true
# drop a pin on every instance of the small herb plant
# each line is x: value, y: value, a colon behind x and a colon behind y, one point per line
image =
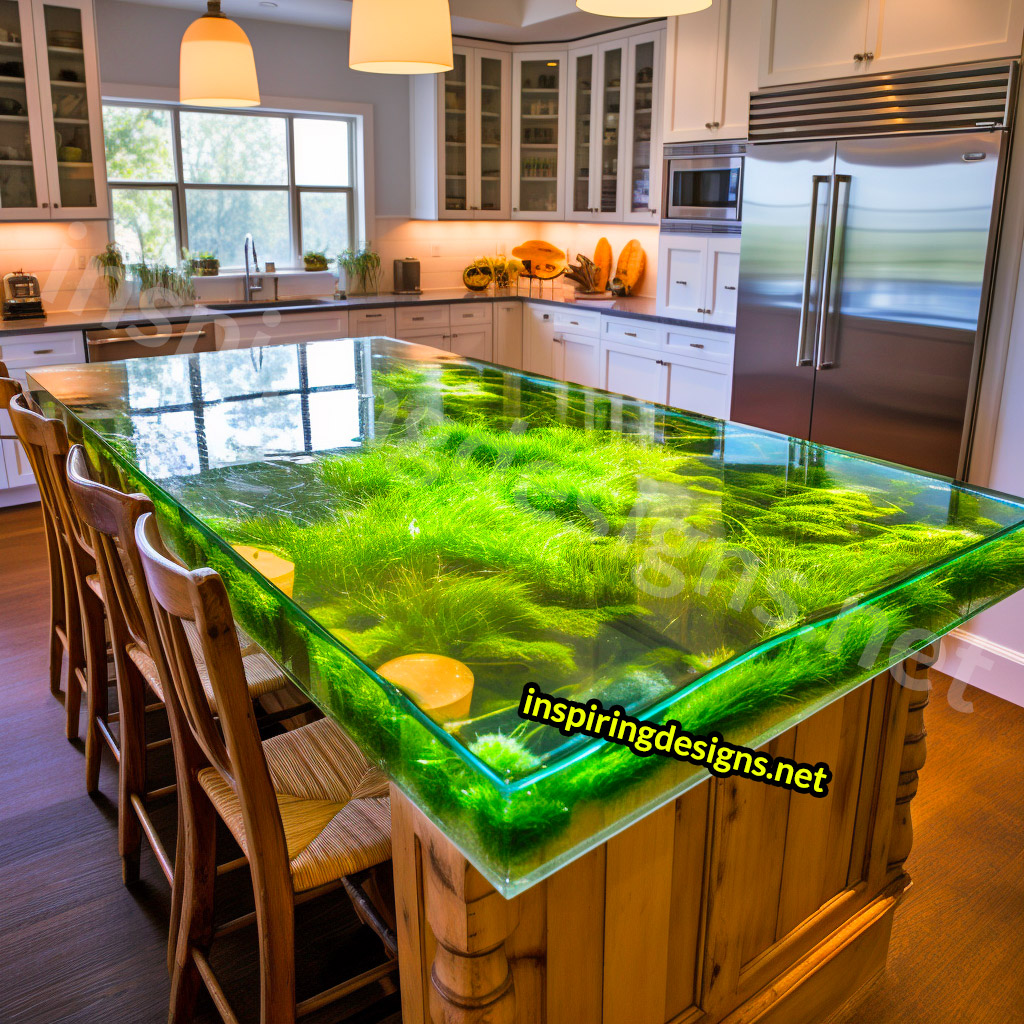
x: 163, y: 284
x: 316, y: 259
x: 362, y: 264
x: 202, y: 264
x: 110, y: 264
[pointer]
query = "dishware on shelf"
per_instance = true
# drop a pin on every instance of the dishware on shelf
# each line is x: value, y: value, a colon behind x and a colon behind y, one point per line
x: 11, y: 107
x: 69, y: 154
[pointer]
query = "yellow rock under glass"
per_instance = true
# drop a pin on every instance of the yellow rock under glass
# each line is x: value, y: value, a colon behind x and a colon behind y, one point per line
x: 278, y: 570
x: 440, y: 686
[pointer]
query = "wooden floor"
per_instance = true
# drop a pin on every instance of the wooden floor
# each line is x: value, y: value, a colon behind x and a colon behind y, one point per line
x: 77, y: 946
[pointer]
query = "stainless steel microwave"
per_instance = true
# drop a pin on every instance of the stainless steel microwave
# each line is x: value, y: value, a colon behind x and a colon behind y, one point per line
x: 703, y: 182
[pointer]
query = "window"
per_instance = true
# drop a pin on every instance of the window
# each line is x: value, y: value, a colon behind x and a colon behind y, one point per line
x: 192, y: 179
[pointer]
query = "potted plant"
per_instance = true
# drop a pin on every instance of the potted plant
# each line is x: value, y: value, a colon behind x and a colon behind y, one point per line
x: 361, y: 264
x: 203, y: 264
x: 110, y: 264
x: 161, y: 285
x: 316, y: 259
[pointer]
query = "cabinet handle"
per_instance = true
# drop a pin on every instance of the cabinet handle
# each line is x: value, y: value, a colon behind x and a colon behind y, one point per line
x: 558, y: 341
x: 373, y: 316
x: 56, y: 206
x: 467, y: 316
x: 696, y: 344
x: 630, y: 334
x: 575, y: 323
x: 474, y: 207
x: 652, y: 211
x: 45, y: 206
x: 712, y: 124
x: 417, y: 318
x: 866, y: 55
x: 547, y: 316
x: 42, y: 351
x: 680, y: 282
x: 729, y: 287
x: 660, y: 362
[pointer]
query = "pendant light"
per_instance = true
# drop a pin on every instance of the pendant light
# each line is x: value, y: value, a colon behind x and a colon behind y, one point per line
x: 217, y: 68
x: 401, y: 37
x: 642, y: 8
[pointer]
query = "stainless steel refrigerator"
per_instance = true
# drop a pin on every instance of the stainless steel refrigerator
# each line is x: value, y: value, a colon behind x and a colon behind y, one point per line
x: 865, y: 261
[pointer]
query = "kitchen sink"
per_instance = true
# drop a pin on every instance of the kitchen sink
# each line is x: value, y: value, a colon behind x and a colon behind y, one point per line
x: 268, y: 304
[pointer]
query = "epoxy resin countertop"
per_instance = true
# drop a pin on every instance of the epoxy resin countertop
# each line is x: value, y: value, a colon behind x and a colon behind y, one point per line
x: 682, y: 568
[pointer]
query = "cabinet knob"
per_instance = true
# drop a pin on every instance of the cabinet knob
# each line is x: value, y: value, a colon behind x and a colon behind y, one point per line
x: 712, y: 124
x: 866, y: 55
x: 660, y: 362
x: 474, y: 207
x: 56, y: 206
x: 45, y: 206
x: 699, y: 310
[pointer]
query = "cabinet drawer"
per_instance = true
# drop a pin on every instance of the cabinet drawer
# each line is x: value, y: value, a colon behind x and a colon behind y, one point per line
x: 473, y: 313
x: 365, y: 323
x: 435, y: 337
x: 711, y: 346
x: 22, y: 351
x: 631, y: 332
x: 416, y: 318
x: 577, y: 322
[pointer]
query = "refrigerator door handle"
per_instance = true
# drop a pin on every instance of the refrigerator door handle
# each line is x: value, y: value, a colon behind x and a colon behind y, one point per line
x: 825, y: 357
x: 806, y: 319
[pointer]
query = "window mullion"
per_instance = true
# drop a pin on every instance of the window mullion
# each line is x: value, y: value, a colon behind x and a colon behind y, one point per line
x: 294, y: 210
x: 179, y: 170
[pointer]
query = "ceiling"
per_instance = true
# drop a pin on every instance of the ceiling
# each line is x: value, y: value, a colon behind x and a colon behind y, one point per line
x: 512, y: 21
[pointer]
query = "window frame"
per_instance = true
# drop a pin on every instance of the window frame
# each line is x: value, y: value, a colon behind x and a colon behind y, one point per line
x: 294, y: 191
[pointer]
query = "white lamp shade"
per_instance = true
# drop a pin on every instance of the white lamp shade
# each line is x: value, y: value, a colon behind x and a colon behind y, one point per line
x: 217, y: 68
x: 642, y: 8
x: 401, y: 37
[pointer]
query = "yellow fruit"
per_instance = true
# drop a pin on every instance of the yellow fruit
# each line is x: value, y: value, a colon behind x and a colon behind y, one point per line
x: 542, y: 259
x: 630, y: 266
x: 603, y: 259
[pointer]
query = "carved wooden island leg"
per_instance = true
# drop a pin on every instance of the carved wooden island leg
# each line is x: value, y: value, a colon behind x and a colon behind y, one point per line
x: 737, y: 902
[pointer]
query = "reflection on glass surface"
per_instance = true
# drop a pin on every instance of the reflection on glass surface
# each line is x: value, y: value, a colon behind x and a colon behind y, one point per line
x: 600, y: 547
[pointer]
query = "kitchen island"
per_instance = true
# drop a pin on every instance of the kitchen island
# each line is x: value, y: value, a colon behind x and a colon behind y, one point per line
x: 688, y: 570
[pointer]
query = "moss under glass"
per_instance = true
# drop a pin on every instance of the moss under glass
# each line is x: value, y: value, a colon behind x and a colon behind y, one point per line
x: 681, y: 567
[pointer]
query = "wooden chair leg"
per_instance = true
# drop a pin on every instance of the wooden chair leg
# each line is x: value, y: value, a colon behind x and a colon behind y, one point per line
x: 56, y: 655
x: 131, y: 776
x: 57, y: 616
x: 198, y: 875
x: 95, y: 687
x: 275, y: 919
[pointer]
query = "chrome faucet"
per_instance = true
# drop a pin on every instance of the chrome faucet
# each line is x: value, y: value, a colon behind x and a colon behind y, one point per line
x: 249, y: 287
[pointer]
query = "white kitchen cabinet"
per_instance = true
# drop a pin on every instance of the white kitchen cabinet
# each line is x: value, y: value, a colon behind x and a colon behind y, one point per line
x: 416, y: 317
x: 698, y: 276
x: 371, y: 323
x: 628, y: 370
x: 576, y: 359
x: 538, y: 340
x: 15, y: 469
x: 508, y: 334
x: 274, y: 327
x: 435, y: 337
x: 474, y: 107
x: 711, y: 62
x: 538, y: 144
x: 808, y: 40
x: 698, y: 385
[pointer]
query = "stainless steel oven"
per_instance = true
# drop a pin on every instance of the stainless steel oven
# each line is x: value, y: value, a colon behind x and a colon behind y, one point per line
x: 703, y: 182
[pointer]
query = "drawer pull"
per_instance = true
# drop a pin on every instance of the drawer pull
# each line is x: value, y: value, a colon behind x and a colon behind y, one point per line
x: 467, y: 316
x: 660, y: 362
x: 630, y: 334
x: 680, y: 282
x: 418, y: 318
x: 42, y: 351
x: 373, y: 316
x: 729, y: 287
x: 575, y: 323
x: 696, y: 344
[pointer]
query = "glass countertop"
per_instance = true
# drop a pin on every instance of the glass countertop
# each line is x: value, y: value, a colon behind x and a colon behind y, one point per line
x: 411, y: 501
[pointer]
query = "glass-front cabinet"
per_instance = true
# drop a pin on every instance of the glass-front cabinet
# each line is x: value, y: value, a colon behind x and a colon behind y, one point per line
x: 642, y: 163
x: 51, y: 139
x: 474, y: 117
x: 537, y: 113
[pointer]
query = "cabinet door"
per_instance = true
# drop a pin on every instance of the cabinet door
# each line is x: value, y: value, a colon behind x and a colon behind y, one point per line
x: 72, y: 117
x: 24, y: 190
x: 582, y: 194
x: 371, y: 323
x: 629, y: 371
x: 474, y: 342
x: 578, y: 359
x: 805, y: 40
x: 682, y: 268
x: 697, y: 386
x: 642, y: 130
x: 508, y: 334
x: 538, y: 341
x: 913, y: 34
x: 742, y: 55
x: 439, y: 337
x: 16, y: 470
x: 695, y: 54
x: 537, y: 109
x: 455, y: 124
x: 722, y: 280
x: 611, y: 141
x: 491, y: 194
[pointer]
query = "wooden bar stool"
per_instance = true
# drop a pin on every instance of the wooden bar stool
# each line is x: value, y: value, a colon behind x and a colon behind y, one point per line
x: 307, y: 809
x: 110, y: 516
x: 82, y: 632
x: 58, y: 633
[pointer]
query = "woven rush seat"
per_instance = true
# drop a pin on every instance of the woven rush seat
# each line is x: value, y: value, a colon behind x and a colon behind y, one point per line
x: 262, y: 673
x: 334, y: 804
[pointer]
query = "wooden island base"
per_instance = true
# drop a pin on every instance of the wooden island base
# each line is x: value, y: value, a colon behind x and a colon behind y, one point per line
x: 737, y: 902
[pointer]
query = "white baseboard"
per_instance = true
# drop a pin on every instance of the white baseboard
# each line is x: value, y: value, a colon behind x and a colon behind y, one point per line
x: 983, y: 664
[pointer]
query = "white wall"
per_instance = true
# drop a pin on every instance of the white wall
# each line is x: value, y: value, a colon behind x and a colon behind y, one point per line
x: 139, y: 46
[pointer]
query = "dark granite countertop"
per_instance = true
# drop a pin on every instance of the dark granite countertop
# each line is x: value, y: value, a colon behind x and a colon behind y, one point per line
x: 639, y: 308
